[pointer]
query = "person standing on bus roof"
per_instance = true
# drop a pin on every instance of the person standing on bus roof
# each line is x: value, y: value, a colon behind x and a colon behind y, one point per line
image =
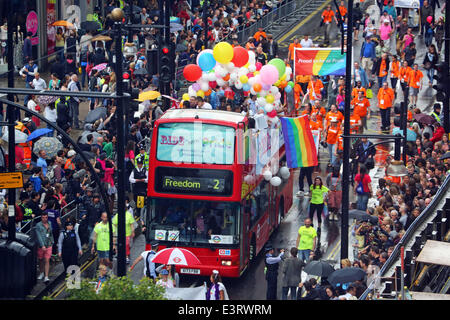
x: 271, y: 270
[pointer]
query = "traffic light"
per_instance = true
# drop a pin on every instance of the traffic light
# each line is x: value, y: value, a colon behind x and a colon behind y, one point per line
x: 442, y: 78
x: 165, y: 63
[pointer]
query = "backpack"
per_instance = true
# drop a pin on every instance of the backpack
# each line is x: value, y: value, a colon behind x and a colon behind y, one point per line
x: 360, y: 187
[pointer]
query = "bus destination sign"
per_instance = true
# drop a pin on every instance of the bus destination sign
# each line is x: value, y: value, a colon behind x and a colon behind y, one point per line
x: 191, y: 184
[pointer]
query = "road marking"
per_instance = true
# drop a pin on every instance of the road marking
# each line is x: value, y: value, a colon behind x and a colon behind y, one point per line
x: 283, y: 38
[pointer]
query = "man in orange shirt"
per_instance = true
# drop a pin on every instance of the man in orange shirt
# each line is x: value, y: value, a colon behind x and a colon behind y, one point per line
x: 415, y: 83
x: 259, y: 34
x: 319, y: 110
x: 386, y: 97
x: 292, y: 47
x: 298, y: 94
x: 342, y: 10
x: 334, y: 115
x: 361, y: 107
x: 404, y: 75
x: 314, y: 88
x: 327, y: 17
x: 395, y: 71
x: 358, y: 88
x: 314, y: 123
x: 332, y: 134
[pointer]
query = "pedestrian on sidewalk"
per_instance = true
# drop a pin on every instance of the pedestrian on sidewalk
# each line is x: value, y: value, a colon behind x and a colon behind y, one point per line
x: 363, y: 188
x: 45, y: 241
x: 327, y: 18
x: 415, y: 84
x: 291, y: 270
x: 100, y: 240
x: 74, y: 102
x: 69, y: 245
x: 149, y: 266
x: 386, y: 97
x: 217, y: 290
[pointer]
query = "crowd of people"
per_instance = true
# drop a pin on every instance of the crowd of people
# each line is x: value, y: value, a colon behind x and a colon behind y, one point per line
x: 388, y: 52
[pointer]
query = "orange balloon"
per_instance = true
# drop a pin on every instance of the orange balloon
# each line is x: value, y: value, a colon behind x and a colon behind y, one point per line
x: 227, y: 77
x: 257, y: 87
x: 207, y: 93
x: 283, y: 84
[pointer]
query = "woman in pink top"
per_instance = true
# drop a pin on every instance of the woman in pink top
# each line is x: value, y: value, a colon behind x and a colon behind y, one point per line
x: 110, y: 166
x: 408, y: 38
x: 386, y: 32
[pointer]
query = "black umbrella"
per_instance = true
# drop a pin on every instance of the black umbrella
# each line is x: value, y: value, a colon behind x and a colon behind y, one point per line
x: 90, y: 25
x: 140, y: 72
x: 361, y: 215
x: 346, y: 275
x: 319, y: 268
x: 96, y: 114
x: 445, y: 156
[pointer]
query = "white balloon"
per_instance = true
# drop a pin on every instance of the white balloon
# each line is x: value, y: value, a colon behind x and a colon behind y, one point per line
x: 251, y: 57
x: 268, y: 107
x: 204, y: 86
x: 251, y: 81
x: 288, y: 70
x: 267, y: 175
x: 220, y: 82
x: 252, y: 68
x: 233, y: 77
x: 204, y: 77
x: 275, y: 119
x: 191, y: 92
x: 284, y: 172
x: 230, y: 66
x: 274, y: 90
x: 261, y: 101
x: 212, y: 76
x: 275, y: 181
x: 238, y: 85
x: 253, y: 92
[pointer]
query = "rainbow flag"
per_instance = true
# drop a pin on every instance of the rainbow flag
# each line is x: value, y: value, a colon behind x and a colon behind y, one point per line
x: 319, y: 61
x: 299, y: 142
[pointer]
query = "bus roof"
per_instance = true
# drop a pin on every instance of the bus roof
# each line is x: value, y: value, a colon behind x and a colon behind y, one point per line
x: 219, y: 115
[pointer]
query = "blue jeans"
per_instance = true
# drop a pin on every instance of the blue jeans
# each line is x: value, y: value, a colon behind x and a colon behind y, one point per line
x: 83, y: 76
x: 430, y: 74
x: 304, y: 254
x: 381, y: 80
x: 332, y: 150
x: 361, y: 201
x: 285, y: 290
x: 27, y: 97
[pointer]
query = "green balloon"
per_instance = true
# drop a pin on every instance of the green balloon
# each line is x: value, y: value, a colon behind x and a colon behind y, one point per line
x: 279, y: 64
x: 291, y: 84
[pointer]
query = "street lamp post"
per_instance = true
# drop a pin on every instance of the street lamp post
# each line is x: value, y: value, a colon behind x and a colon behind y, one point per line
x: 118, y: 15
x: 347, y: 139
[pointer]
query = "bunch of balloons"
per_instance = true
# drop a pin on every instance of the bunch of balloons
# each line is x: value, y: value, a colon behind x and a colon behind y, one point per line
x: 224, y: 67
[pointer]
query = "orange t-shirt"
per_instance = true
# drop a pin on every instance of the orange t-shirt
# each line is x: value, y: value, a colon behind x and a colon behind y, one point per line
x: 315, y: 125
x: 356, y: 90
x: 292, y: 47
x: 415, y: 78
x: 395, y: 69
x: 333, y: 134
x: 383, y: 68
x: 405, y: 74
x: 332, y: 116
x: 314, y: 89
x: 259, y: 34
x: 355, y: 123
x: 340, y: 141
x: 327, y: 16
x: 360, y: 107
x: 343, y: 11
x: 385, y: 98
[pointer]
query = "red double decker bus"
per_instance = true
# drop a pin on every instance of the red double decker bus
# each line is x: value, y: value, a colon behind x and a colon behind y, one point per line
x: 206, y: 194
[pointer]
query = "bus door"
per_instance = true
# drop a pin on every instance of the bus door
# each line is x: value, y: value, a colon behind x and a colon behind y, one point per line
x: 245, y: 226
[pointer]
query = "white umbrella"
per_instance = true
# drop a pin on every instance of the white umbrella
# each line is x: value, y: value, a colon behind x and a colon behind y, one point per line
x: 20, y: 136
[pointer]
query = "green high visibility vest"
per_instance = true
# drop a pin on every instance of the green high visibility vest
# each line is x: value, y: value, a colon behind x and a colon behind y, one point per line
x: 96, y: 18
x: 434, y: 114
x: 146, y: 159
x: 121, y: 4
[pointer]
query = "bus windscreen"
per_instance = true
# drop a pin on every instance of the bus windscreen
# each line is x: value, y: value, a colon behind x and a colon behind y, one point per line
x: 195, y: 142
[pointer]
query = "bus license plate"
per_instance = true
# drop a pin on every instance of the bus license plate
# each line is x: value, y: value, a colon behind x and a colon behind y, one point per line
x: 190, y: 271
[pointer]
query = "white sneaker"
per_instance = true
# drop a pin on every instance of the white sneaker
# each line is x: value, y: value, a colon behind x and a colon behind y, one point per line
x: 300, y: 194
x: 46, y: 280
x: 41, y: 276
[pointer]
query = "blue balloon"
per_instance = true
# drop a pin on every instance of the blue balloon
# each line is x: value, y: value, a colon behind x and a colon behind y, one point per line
x: 206, y: 61
x: 246, y: 87
x: 288, y: 89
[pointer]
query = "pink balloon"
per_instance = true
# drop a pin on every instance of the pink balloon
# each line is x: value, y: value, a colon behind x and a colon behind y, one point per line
x: 258, y: 66
x: 196, y: 86
x: 277, y: 96
x: 250, y: 75
x: 429, y: 19
x: 269, y: 74
x: 266, y: 86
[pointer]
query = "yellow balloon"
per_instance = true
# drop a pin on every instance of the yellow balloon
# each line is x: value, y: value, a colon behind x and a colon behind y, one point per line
x: 277, y: 83
x: 200, y: 93
x: 256, y: 72
x: 244, y: 79
x: 186, y: 96
x: 270, y: 98
x: 247, y: 65
x: 223, y: 52
x: 283, y: 77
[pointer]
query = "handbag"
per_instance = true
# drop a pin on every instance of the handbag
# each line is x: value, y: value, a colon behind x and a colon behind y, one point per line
x: 370, y: 163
